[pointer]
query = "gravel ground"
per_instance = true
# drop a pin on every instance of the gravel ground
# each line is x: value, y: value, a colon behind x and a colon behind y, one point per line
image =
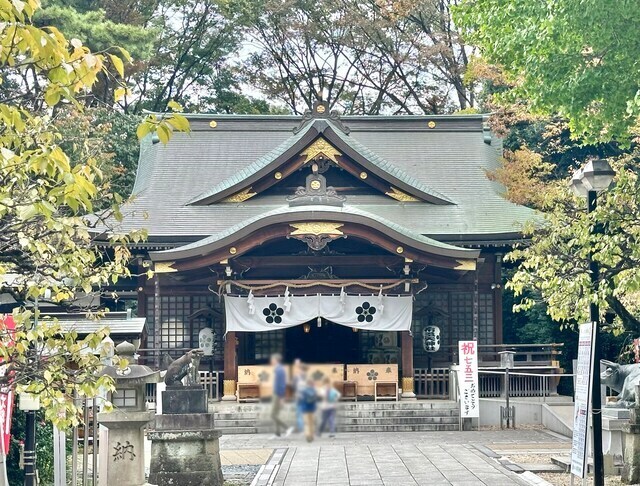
x: 557, y: 479
x: 565, y: 480
x: 239, y: 475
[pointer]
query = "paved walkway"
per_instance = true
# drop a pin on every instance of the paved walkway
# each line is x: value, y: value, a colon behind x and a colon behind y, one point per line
x: 381, y: 459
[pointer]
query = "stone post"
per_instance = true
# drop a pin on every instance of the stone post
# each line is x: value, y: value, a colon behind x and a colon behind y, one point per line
x: 123, y: 452
x: 184, y: 444
x: 631, y: 432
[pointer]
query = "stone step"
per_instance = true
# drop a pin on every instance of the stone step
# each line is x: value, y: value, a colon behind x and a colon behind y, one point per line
x: 222, y: 423
x: 346, y: 413
x: 253, y: 418
x: 352, y: 428
x: 217, y: 407
x: 398, y: 428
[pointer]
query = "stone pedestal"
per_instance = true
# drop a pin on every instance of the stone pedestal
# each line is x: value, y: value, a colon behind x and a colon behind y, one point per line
x: 184, y: 399
x: 613, y: 420
x: 631, y: 430
x: 124, y: 452
x: 185, y: 451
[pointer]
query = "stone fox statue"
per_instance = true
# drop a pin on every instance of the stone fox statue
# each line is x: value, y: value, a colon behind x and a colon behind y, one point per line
x: 186, y: 365
x: 623, y: 379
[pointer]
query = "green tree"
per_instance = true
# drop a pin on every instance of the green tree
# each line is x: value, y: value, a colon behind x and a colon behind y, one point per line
x: 577, y: 59
x: 555, y: 262
x: 48, y: 216
x: 106, y: 135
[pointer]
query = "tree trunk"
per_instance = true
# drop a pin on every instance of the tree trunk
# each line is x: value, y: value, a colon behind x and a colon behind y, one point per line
x: 631, y: 323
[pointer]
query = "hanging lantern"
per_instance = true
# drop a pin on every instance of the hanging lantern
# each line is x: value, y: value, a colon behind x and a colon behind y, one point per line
x: 306, y: 328
x: 207, y: 341
x: 431, y: 339
x: 354, y: 329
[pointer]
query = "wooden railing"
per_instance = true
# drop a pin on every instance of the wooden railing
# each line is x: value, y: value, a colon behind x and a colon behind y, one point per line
x: 526, y: 355
x: 210, y: 379
x: 432, y: 383
x: 436, y: 383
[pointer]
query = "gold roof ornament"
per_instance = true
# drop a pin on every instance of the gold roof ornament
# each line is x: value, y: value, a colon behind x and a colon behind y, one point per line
x: 317, y: 228
x: 164, y: 267
x: 321, y: 147
x: 398, y: 195
x: 240, y: 196
x: 465, y: 265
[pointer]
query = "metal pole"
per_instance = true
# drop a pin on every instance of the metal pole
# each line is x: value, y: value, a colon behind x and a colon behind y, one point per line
x: 596, y: 400
x: 506, y: 392
x: 94, y: 438
x: 30, y: 430
x: 85, y: 441
x: 30, y: 449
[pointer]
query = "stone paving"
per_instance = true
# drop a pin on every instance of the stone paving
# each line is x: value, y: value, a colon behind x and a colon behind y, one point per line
x: 381, y: 459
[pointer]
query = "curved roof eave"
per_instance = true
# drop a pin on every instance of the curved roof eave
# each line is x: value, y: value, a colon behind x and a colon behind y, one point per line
x: 309, y: 213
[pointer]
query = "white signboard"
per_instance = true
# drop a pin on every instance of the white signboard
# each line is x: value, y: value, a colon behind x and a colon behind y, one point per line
x: 582, y: 400
x: 468, y: 379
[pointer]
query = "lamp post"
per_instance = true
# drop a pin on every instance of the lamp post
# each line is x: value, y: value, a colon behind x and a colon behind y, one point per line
x: 594, y: 177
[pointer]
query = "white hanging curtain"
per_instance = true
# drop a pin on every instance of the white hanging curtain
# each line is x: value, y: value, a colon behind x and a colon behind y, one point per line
x: 359, y: 311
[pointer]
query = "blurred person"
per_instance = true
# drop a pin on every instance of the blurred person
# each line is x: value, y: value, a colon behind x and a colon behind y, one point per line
x: 330, y: 397
x: 309, y: 399
x: 279, y: 393
x: 299, y: 380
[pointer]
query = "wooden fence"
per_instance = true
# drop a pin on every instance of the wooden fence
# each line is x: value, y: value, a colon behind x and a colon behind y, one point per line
x: 432, y: 383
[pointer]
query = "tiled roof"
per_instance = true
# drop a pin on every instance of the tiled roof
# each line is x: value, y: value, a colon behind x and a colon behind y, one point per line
x: 321, y: 126
x: 83, y: 325
x: 451, y: 159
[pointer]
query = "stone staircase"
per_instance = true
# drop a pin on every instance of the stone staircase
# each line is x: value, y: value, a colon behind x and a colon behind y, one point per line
x: 411, y: 416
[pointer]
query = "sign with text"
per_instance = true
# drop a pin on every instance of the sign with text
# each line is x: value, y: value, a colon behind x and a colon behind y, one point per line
x: 582, y: 400
x: 468, y: 379
x: 7, y: 326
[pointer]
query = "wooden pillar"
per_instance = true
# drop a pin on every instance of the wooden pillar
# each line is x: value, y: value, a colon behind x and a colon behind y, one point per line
x: 497, y: 299
x: 157, y: 319
x: 476, y: 304
x: 406, y: 343
x: 230, y: 367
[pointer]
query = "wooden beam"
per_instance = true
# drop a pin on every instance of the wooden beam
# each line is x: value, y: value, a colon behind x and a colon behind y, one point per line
x: 308, y: 260
x: 337, y: 281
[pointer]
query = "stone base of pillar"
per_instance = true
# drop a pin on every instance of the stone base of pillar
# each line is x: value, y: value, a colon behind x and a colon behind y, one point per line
x: 123, y: 453
x: 229, y: 389
x: 185, y: 450
x: 407, y: 389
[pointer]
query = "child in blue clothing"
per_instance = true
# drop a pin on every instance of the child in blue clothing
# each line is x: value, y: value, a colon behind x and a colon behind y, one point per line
x: 308, y: 405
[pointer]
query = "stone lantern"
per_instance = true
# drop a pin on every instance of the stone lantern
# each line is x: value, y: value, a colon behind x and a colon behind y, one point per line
x: 124, y: 451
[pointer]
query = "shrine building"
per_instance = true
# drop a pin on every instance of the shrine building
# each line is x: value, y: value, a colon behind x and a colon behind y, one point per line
x: 337, y: 240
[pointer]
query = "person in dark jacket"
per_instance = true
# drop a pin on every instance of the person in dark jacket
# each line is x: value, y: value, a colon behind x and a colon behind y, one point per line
x: 279, y: 392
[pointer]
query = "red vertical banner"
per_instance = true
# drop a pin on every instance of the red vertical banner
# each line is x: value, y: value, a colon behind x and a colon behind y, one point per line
x: 7, y: 326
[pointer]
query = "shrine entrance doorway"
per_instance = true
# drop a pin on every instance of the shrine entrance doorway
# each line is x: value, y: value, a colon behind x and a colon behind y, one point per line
x: 330, y: 343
